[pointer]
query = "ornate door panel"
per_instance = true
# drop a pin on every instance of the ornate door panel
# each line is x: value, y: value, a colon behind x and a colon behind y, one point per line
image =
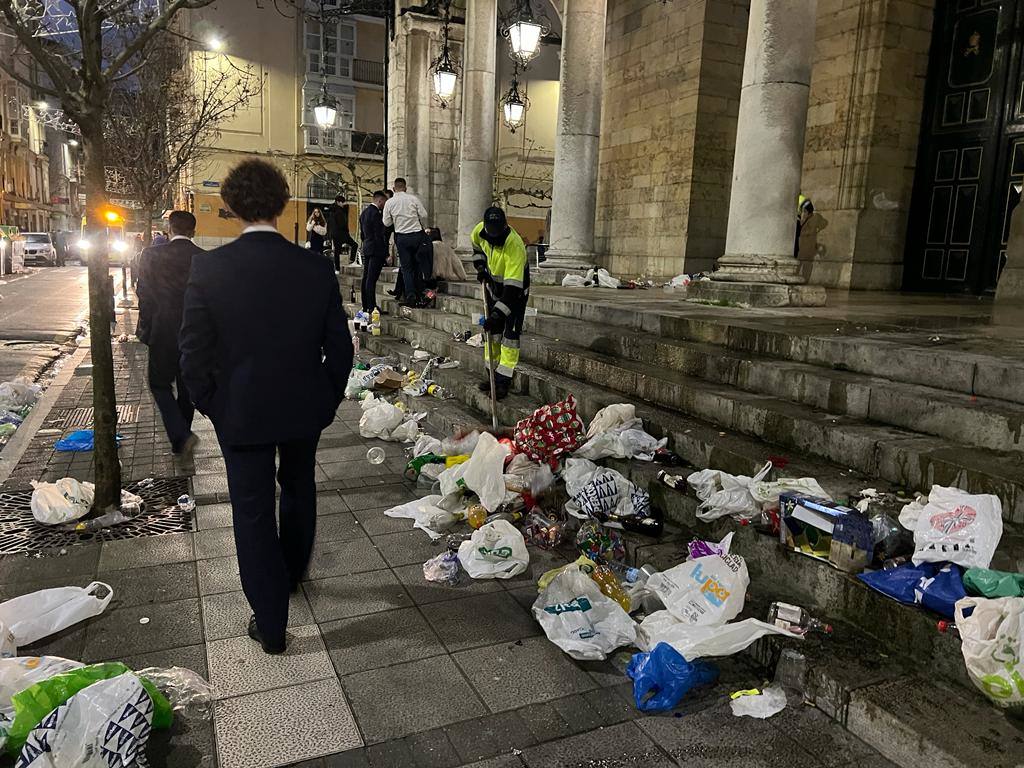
x: 955, y: 222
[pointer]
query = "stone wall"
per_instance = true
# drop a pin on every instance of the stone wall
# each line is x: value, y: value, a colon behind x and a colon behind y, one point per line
x: 423, y: 137
x: 863, y: 126
x: 671, y: 94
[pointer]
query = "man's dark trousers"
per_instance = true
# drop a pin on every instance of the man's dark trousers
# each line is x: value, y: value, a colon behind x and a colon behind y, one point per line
x: 372, y: 267
x: 408, y: 244
x: 343, y: 238
x: 172, y: 400
x: 272, y: 558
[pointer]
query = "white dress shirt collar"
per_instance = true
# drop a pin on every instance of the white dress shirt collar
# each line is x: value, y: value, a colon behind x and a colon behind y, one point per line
x: 259, y: 228
x: 181, y: 237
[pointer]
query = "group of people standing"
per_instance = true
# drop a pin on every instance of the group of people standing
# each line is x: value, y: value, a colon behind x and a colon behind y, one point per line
x: 331, y: 228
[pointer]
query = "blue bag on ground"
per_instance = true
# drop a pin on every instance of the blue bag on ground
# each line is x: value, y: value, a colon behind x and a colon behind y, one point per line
x: 79, y: 440
x: 935, y: 586
x: 662, y: 677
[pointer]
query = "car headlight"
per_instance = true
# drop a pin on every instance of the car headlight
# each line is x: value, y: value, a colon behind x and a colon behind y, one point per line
x: 85, y: 245
x: 120, y: 246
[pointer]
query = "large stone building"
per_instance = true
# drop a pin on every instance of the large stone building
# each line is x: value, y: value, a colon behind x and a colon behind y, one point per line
x: 295, y: 55
x: 902, y: 120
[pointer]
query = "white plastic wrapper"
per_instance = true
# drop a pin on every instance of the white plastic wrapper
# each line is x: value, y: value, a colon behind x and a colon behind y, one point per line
x: 580, y: 619
x: 39, y: 614
x: 379, y: 418
x: 705, y: 590
x: 484, y: 473
x: 18, y: 393
x: 624, y: 441
x: 609, y: 417
x: 18, y: 673
x: 426, y: 514
x: 771, y: 701
x: 495, y: 551
x: 695, y: 642
x: 958, y: 527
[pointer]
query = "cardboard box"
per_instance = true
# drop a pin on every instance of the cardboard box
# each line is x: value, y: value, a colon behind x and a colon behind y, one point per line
x: 825, y: 530
x: 389, y: 380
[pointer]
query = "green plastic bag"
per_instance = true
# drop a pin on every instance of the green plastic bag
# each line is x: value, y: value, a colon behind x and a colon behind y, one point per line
x: 987, y: 583
x: 37, y: 701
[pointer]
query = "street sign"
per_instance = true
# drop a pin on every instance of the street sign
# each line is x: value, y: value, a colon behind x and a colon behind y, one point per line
x: 209, y: 183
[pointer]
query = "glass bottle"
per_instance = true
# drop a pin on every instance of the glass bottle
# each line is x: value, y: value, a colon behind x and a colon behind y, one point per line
x: 678, y: 482
x: 610, y: 586
x: 795, y: 619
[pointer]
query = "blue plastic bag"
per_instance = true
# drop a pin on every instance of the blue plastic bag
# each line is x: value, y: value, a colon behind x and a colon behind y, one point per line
x: 662, y: 677
x: 935, y: 586
x: 79, y: 440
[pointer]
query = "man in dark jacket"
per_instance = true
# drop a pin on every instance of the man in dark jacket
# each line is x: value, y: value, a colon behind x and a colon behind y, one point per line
x: 375, y: 248
x: 337, y: 231
x: 163, y: 274
x: 266, y: 353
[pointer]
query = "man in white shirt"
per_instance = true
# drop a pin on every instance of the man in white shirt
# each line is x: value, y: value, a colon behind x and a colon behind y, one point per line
x: 406, y: 214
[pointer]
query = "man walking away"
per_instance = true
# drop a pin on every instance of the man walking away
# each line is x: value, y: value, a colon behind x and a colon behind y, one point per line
x: 266, y: 353
x: 163, y: 274
x: 407, y: 215
x: 375, y: 252
x: 337, y: 231
x: 499, y: 257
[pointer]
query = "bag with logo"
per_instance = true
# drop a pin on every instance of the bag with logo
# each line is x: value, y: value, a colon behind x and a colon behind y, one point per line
x: 495, y: 551
x: 992, y: 642
x: 580, y: 619
x: 958, y: 527
x: 705, y: 590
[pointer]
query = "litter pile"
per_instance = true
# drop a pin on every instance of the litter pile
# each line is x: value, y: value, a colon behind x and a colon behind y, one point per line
x: 16, y: 399
x: 60, y: 713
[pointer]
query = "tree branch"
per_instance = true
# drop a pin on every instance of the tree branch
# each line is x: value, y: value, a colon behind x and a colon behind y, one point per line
x: 155, y: 26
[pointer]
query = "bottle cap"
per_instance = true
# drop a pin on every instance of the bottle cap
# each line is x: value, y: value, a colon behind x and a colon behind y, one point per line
x: 942, y: 625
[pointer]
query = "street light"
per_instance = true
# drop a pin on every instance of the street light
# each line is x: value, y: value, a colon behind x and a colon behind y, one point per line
x: 214, y: 43
x: 524, y: 30
x: 325, y: 108
x: 72, y: 142
x: 444, y: 71
x: 514, y: 104
x: 112, y: 217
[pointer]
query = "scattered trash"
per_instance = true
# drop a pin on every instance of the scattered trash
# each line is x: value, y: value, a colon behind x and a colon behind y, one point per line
x: 795, y: 619
x: 19, y: 393
x: 698, y: 641
x: 550, y: 432
x: 986, y: 583
x: 376, y: 455
x: 387, y: 421
x: 759, y: 704
x: 186, y: 503
x: 627, y: 440
x: 662, y: 677
x: 79, y: 440
x: 426, y: 515
x: 596, y: 542
x: 951, y: 525
x: 935, y: 586
x: 40, y: 614
x: 476, y: 340
x: 606, y: 495
x: 820, y: 528
x: 992, y: 644
x: 63, y: 501
x: 144, y: 620
x: 495, y: 551
x: 705, y: 590
x: 443, y: 569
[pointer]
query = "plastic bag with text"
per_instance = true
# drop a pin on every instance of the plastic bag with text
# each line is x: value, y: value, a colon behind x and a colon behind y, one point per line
x: 696, y: 642
x: 580, y: 619
x: 661, y: 677
x: 495, y: 551
x: 39, y: 614
x: 958, y: 527
x: 61, y: 502
x: 992, y: 643
x: 705, y: 590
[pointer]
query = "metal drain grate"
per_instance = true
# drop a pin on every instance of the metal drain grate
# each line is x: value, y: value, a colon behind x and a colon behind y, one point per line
x: 82, y: 417
x: 19, y: 531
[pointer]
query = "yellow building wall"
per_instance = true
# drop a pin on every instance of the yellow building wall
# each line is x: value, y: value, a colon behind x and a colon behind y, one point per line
x: 369, y: 110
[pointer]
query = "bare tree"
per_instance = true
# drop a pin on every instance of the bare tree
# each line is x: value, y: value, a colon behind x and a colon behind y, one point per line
x: 166, y: 118
x: 84, y: 49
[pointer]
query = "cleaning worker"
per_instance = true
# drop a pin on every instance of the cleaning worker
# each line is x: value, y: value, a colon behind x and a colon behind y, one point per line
x: 499, y: 257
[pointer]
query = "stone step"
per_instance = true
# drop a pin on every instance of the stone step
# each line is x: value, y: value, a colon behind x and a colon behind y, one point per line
x: 903, y: 458
x: 886, y: 674
x: 906, y: 355
x: 970, y: 420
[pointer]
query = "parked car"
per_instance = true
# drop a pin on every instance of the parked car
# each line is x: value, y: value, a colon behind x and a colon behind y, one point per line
x: 39, y: 249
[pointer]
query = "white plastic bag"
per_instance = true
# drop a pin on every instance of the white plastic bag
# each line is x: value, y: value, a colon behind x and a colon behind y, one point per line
x: 61, y: 502
x: 958, y: 527
x: 426, y: 444
x: 695, y: 642
x: 17, y: 674
x: 625, y: 441
x: 771, y: 701
x: 18, y: 393
x: 406, y: 432
x: 992, y: 643
x: 610, y: 417
x: 484, y: 472
x: 106, y: 724
x: 495, y: 551
x: 379, y: 417
x: 580, y: 619
x: 39, y: 614
x: 723, y: 494
x: 599, y: 491
x: 576, y: 281
x: 768, y: 492
x: 705, y: 590
x: 426, y: 514
x: 603, y: 278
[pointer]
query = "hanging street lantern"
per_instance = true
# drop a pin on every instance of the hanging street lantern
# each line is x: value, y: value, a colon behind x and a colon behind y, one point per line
x: 524, y: 30
x: 514, y: 104
x: 325, y: 108
x: 444, y: 71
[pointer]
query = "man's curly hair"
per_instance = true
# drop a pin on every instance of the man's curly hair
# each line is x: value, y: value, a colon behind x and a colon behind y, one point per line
x: 255, y: 190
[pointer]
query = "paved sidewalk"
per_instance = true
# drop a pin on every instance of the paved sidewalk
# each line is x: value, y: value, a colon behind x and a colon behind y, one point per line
x: 383, y: 668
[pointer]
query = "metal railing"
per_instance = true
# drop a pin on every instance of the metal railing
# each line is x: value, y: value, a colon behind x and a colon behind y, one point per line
x: 366, y: 71
x: 368, y: 143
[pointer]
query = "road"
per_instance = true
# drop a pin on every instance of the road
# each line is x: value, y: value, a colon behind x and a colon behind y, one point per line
x: 38, y: 313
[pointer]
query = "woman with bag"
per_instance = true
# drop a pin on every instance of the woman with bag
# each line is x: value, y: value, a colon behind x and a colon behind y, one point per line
x: 316, y: 228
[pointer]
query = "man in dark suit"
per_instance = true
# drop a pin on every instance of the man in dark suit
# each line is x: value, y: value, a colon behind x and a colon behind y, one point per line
x: 337, y: 231
x: 162, y: 275
x: 375, y: 248
x: 266, y: 353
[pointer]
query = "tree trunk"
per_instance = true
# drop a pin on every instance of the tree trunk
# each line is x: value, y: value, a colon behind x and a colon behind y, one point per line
x: 147, y: 217
x: 101, y: 314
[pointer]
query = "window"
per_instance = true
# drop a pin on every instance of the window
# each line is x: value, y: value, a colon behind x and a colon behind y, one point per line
x: 330, y: 48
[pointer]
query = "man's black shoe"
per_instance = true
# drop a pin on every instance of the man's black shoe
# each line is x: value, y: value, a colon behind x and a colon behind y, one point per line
x: 485, y: 386
x: 254, y: 633
x: 502, y: 384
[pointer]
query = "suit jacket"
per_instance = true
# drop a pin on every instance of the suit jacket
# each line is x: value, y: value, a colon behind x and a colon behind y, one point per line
x: 265, y: 346
x: 337, y: 221
x: 373, y: 233
x: 163, y: 275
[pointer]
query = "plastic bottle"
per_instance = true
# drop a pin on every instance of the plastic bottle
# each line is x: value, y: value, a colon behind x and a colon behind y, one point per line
x: 610, y: 586
x: 476, y: 516
x: 375, y: 455
x: 436, y: 390
x: 626, y: 573
x: 186, y: 503
x: 678, y: 482
x: 795, y: 619
x: 947, y: 627
x: 375, y: 322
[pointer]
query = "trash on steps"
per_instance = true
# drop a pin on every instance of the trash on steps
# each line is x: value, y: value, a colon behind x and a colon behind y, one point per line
x: 992, y: 644
x: 759, y: 704
x: 662, y: 677
x: 953, y: 526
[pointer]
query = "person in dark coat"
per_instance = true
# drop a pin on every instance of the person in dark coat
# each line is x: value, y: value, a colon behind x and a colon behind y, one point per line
x: 163, y: 274
x: 375, y: 248
x: 337, y: 231
x: 266, y: 353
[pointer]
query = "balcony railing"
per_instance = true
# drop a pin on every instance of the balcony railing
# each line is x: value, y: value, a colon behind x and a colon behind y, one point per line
x: 365, y: 71
x: 368, y: 143
x: 337, y: 141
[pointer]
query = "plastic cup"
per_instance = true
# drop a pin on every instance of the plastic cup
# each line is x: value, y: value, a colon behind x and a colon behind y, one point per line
x: 375, y: 455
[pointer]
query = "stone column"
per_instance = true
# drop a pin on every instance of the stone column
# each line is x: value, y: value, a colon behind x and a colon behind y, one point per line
x: 574, y: 191
x: 417, y: 122
x: 479, y: 109
x: 770, y: 146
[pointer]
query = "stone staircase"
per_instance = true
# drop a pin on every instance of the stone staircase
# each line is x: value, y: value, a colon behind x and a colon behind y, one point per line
x: 852, y: 406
